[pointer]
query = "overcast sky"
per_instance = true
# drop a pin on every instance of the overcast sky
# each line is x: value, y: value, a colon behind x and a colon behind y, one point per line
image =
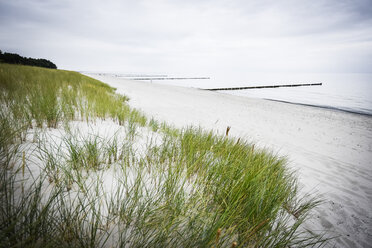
x: 199, y: 37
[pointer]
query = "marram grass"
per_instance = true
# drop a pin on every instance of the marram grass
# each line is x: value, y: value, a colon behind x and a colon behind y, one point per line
x: 147, y: 185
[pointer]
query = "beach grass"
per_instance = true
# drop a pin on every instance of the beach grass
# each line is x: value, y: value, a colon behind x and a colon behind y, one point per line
x: 67, y: 183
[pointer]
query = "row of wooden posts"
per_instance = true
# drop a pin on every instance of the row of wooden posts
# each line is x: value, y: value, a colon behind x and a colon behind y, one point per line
x: 228, y: 88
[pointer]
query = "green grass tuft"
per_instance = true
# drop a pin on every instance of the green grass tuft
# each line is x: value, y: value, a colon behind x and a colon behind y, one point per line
x: 147, y: 185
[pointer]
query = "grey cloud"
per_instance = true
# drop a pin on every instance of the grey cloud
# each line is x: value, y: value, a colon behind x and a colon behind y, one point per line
x: 191, y: 34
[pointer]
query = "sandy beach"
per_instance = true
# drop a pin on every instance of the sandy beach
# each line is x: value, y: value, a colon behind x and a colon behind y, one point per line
x: 330, y: 150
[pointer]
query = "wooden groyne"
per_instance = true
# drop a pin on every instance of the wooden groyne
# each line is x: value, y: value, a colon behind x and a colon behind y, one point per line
x: 168, y: 78
x: 266, y: 86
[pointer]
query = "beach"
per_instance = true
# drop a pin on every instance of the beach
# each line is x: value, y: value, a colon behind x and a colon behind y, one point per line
x: 330, y: 150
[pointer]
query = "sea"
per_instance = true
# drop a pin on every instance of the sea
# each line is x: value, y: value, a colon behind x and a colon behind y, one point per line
x: 350, y: 92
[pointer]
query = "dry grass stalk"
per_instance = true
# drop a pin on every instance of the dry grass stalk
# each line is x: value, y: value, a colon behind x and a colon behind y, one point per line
x: 228, y: 130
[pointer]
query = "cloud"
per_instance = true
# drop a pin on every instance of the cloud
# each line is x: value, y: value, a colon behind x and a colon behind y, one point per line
x: 192, y: 36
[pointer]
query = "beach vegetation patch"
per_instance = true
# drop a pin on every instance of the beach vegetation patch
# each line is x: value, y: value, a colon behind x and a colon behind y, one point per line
x: 81, y: 168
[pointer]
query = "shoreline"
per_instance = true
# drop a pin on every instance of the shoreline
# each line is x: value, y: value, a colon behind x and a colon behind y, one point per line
x: 330, y: 150
x: 323, y: 107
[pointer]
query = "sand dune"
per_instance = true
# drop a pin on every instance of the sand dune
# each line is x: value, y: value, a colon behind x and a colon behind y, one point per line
x: 330, y: 150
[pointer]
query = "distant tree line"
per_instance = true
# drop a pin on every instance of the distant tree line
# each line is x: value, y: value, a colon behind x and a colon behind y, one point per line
x: 13, y: 58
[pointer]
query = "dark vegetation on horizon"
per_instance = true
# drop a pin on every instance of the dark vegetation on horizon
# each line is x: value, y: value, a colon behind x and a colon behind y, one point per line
x: 13, y: 58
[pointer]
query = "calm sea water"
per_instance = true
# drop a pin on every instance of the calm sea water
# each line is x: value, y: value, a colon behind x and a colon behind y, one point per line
x: 347, y: 92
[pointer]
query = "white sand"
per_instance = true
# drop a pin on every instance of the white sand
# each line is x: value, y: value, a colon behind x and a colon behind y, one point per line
x: 331, y: 150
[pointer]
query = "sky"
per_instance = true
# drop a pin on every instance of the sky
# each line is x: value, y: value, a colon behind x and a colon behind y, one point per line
x: 192, y: 37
